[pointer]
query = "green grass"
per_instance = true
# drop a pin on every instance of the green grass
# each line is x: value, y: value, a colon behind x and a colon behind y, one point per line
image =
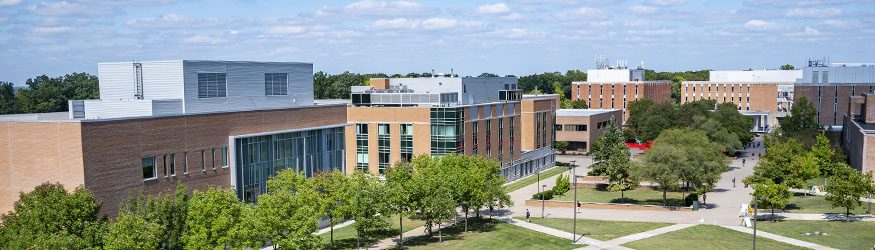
x: 817, y: 181
x: 637, y: 196
x: 344, y: 237
x: 817, y: 205
x: 598, y: 229
x: 842, y: 235
x: 534, y: 178
x: 486, y: 234
x: 706, y: 237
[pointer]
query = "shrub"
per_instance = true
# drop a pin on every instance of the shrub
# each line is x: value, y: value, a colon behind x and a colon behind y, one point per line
x: 562, y: 164
x: 562, y: 185
x: 548, y: 195
x: 688, y: 201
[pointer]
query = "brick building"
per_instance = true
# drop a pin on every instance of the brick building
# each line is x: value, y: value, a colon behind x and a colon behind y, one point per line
x: 582, y: 127
x: 858, y: 133
x: 830, y: 88
x: 200, y: 123
x: 397, y: 118
x: 609, y: 88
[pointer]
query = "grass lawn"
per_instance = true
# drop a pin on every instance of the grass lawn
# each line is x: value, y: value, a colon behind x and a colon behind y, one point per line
x: 817, y: 205
x: 344, y: 237
x: 817, y: 181
x: 706, y: 237
x: 490, y: 234
x: 534, y: 178
x: 598, y: 229
x: 637, y: 196
x: 842, y: 235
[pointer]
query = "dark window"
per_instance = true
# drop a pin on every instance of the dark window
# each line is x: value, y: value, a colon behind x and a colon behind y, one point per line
x: 148, y: 168
x: 211, y: 85
x: 276, y: 84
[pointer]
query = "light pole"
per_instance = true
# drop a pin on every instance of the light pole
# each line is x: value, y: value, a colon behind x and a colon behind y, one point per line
x: 542, y: 201
x: 755, y: 207
x: 573, y: 209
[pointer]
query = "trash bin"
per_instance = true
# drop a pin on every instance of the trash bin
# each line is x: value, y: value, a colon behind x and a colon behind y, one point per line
x: 695, y: 205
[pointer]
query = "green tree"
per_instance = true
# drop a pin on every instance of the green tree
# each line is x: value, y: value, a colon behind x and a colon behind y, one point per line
x: 47, y: 94
x: 133, y: 232
x: 213, y: 216
x: 8, y: 102
x: 49, y: 217
x: 562, y: 146
x: 638, y: 110
x: 611, y: 152
x: 367, y: 205
x: 287, y: 215
x: 332, y: 189
x: 663, y: 116
x: 717, y: 134
x: 487, y: 74
x: 785, y: 163
x: 787, y: 67
x: 823, y: 154
x: 402, y: 190
x: 776, y: 195
x: 846, y: 186
x: 734, y: 122
x: 168, y: 212
x: 579, y: 104
x: 802, y: 117
x: 563, y: 184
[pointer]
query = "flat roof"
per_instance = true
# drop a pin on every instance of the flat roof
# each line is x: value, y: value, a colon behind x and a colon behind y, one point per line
x: 583, y: 112
x: 65, y: 116
x: 621, y: 82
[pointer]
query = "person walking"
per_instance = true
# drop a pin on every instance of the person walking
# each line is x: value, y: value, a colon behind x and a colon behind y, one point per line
x: 578, y: 207
x: 733, y: 185
x: 705, y: 198
x: 742, y: 162
x: 528, y: 215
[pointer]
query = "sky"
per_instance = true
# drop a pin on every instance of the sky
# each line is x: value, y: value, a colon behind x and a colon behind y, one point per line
x: 519, y: 37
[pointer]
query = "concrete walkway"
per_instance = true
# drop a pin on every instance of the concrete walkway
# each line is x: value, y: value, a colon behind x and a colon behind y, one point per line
x: 616, y: 243
x: 776, y: 237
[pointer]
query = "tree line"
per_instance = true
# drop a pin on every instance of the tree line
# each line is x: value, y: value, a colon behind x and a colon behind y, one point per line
x: 286, y: 217
x: 47, y: 94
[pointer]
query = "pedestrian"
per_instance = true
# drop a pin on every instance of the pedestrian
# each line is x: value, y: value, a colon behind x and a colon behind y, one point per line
x: 705, y: 198
x: 578, y: 207
x: 528, y: 215
x: 742, y: 162
x: 733, y: 185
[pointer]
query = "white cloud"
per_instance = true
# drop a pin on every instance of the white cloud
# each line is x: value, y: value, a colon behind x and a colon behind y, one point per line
x: 814, y: 13
x: 809, y: 31
x: 514, y: 33
x: 668, y: 2
x: 65, y: 8
x: 584, y: 13
x: 570, y: 2
x: 801, y: 2
x: 9, y: 2
x: 492, y: 9
x: 760, y: 25
x: 657, y: 32
x: 842, y: 24
x: 54, y: 30
x: 375, y: 8
x: 286, y: 30
x: 397, y: 23
x: 203, y: 39
x: 642, y: 9
x: 515, y: 17
x: 437, y: 23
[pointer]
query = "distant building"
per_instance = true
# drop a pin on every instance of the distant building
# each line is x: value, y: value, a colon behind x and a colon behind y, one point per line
x: 829, y: 88
x: 858, y: 133
x: 199, y: 123
x: 615, y: 88
x: 581, y: 127
x: 395, y: 119
x: 765, y: 95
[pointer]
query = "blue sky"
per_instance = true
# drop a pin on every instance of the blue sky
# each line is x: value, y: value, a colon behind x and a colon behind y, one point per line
x: 518, y: 37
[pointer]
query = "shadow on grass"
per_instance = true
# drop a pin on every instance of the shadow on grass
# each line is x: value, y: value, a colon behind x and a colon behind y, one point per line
x: 365, y: 240
x: 452, y: 233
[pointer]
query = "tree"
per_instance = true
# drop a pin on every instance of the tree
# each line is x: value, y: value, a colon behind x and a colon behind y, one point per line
x: 401, y: 185
x: 562, y: 146
x: 787, y: 67
x: 563, y: 184
x: 212, y: 218
x: 613, y: 155
x: 823, y: 154
x: 717, y: 134
x: 579, y: 104
x: 49, y: 217
x: 8, y: 103
x: 637, y: 110
x: 332, y: 189
x: 47, y: 94
x: 487, y: 74
x: 133, y: 232
x: 847, y: 186
x: 802, y: 117
x: 367, y: 204
x: 662, y: 116
x: 168, y: 212
x: 785, y: 163
x: 287, y: 215
x: 734, y: 122
x: 776, y: 195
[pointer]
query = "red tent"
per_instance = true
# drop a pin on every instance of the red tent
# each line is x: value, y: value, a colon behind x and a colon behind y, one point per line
x: 646, y: 146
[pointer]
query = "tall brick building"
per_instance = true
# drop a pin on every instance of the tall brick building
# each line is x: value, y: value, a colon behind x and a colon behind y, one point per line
x: 830, y: 88
x: 199, y: 123
x: 609, y: 88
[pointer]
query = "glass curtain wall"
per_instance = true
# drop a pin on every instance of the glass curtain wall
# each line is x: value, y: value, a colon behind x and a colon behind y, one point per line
x: 447, y: 130
x: 260, y: 157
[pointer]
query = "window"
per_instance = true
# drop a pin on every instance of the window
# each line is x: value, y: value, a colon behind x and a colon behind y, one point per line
x: 164, y: 166
x: 213, y: 157
x: 211, y: 85
x: 406, y: 142
x: 225, y: 157
x: 574, y: 127
x: 149, y: 168
x: 361, y: 149
x: 172, y: 165
x: 203, y: 162
x: 276, y: 84
x: 185, y: 163
x: 488, y: 138
x: 383, y: 154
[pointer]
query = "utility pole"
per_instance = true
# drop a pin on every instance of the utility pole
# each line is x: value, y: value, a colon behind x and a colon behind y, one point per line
x: 573, y: 206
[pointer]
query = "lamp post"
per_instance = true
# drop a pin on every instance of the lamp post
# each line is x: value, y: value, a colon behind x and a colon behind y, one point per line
x: 542, y: 201
x: 755, y: 207
x: 574, y: 206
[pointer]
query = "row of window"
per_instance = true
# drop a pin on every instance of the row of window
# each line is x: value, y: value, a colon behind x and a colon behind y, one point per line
x: 215, y: 85
x: 168, y: 166
x: 571, y: 127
